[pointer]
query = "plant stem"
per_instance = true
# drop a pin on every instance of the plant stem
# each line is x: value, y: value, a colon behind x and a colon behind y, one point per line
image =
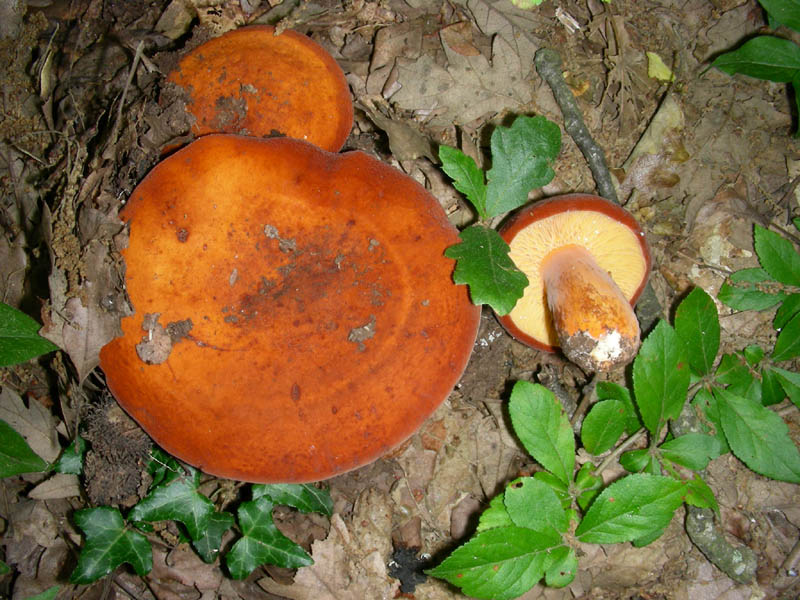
x: 619, y: 450
x: 548, y: 65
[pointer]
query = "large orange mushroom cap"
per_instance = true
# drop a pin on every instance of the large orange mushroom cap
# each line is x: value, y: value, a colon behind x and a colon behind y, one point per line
x: 253, y: 82
x: 587, y: 262
x: 295, y: 316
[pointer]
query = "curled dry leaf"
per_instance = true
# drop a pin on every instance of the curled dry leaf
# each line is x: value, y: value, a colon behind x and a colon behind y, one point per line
x: 33, y: 422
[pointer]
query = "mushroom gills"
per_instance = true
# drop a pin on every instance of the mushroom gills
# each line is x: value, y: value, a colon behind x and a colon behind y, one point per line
x: 595, y: 323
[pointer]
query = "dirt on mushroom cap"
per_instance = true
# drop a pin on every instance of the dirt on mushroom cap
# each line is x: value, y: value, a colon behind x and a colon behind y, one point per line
x: 277, y: 251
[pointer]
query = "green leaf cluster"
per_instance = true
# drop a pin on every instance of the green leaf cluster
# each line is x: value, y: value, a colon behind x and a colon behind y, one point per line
x: 769, y: 57
x: 522, y: 158
x: 527, y: 533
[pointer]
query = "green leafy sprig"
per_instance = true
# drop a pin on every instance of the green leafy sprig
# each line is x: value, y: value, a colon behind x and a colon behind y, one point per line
x: 522, y: 157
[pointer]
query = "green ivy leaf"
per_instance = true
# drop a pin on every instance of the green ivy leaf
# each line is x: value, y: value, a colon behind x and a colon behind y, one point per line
x: 262, y: 543
x: 790, y: 382
x: 208, y: 545
x: 660, y: 378
x: 563, y: 567
x: 534, y: 505
x: 499, y: 564
x: 305, y: 497
x: 522, y: 156
x: 692, y: 450
x: 777, y: 254
x: 177, y: 500
x: 758, y: 437
x: 631, y: 508
x: 785, y: 12
x: 542, y: 426
x: 71, y: 460
x: 697, y: 325
x: 108, y: 544
x: 19, y: 337
x: 603, y: 426
x: 467, y: 177
x: 787, y: 346
x: 763, y: 57
x: 607, y: 390
x: 16, y: 455
x: 484, y: 265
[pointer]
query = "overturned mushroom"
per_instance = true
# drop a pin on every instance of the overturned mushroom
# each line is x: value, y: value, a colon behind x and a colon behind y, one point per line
x: 587, y: 262
x: 295, y: 316
x: 253, y: 82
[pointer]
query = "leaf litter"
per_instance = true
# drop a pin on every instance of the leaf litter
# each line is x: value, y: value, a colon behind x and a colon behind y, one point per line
x: 718, y: 158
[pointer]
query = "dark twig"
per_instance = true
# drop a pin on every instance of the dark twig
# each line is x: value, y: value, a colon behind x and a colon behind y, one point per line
x: 548, y: 65
x: 737, y: 562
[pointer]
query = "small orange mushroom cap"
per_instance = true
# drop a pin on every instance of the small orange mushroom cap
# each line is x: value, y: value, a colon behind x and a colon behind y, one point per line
x: 587, y: 262
x: 253, y: 82
x: 295, y: 316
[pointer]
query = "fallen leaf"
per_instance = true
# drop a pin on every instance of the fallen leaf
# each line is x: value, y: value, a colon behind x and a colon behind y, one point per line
x: 60, y: 485
x: 33, y: 422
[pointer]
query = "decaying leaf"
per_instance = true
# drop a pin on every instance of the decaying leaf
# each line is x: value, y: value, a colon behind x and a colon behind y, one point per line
x: 34, y: 422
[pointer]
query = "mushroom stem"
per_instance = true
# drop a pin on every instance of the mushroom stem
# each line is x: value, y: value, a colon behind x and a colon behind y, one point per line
x: 595, y: 323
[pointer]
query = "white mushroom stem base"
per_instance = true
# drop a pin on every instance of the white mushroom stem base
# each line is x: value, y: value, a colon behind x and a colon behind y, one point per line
x: 595, y: 323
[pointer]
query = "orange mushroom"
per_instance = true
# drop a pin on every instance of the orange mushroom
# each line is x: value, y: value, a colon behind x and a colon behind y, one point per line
x: 587, y: 262
x: 253, y: 82
x: 295, y: 316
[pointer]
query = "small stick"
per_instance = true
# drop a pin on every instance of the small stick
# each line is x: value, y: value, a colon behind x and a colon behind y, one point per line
x: 548, y: 65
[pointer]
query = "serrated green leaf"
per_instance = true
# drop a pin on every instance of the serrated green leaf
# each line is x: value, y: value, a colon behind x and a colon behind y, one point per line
x: 607, y: 390
x: 603, y: 426
x: 208, y: 545
x: 563, y: 567
x: 788, y: 309
x: 305, y: 497
x: 697, y: 324
x: 522, y: 156
x: 700, y: 495
x: 763, y: 57
x: 753, y: 275
x: 71, y: 460
x: 747, y: 297
x: 705, y: 402
x: 635, y: 461
x: 790, y: 382
x: 785, y: 12
x: 758, y: 437
x: 262, y: 543
x: 467, y: 177
x: 533, y: 504
x: 692, y: 450
x: 499, y: 564
x: 777, y: 254
x: 542, y: 426
x: 772, y: 386
x: 560, y: 489
x: 660, y: 378
x: 734, y: 371
x: 495, y: 515
x: 108, y: 544
x: 16, y: 456
x: 648, y: 538
x: 787, y: 346
x: 753, y: 354
x: 177, y: 500
x: 19, y: 337
x: 631, y: 508
x: 484, y: 265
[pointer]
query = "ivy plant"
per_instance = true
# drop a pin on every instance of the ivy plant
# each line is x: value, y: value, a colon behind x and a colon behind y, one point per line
x: 531, y: 531
x: 769, y: 57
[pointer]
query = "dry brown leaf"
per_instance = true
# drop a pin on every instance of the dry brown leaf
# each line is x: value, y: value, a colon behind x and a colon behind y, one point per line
x: 60, y: 485
x: 33, y: 422
x: 351, y: 562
